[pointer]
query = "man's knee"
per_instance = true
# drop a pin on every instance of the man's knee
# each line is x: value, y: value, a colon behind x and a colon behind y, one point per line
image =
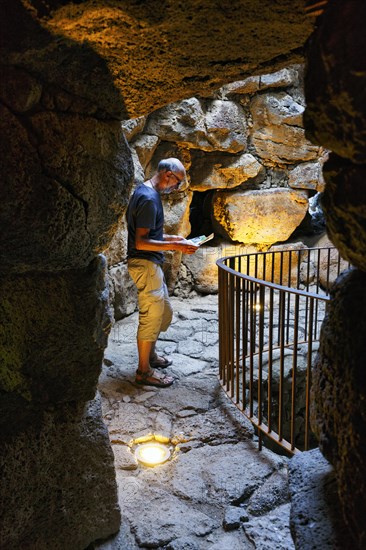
x: 167, y: 316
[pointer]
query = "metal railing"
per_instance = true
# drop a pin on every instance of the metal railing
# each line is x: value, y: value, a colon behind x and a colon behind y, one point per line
x: 271, y: 307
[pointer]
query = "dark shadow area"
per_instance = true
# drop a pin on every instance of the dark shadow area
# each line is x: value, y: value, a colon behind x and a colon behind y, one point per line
x: 56, y: 60
x: 200, y: 214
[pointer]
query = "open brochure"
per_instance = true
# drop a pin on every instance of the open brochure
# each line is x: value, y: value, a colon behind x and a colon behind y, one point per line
x: 201, y: 239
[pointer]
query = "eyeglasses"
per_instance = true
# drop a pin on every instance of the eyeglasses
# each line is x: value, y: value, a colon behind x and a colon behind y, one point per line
x: 179, y: 181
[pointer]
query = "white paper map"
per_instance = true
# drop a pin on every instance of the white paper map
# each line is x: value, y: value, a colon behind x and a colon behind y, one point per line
x: 201, y: 239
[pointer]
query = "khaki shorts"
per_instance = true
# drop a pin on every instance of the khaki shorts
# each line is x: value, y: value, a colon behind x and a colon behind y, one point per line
x: 155, y: 310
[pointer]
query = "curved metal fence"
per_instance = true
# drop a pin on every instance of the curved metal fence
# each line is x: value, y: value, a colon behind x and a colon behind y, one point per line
x: 271, y: 307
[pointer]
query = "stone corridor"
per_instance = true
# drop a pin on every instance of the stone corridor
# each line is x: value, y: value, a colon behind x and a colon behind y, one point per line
x: 217, y: 491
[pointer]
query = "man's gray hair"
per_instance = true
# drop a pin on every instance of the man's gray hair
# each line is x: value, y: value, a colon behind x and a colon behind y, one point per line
x: 172, y: 164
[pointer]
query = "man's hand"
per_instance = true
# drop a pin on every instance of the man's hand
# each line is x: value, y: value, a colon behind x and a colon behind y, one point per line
x: 187, y: 247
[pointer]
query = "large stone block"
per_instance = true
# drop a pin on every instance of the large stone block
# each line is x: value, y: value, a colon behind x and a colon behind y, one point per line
x: 278, y: 135
x: 339, y: 393
x: 257, y: 217
x: 307, y: 175
x: 202, y: 268
x: 64, y: 184
x: 344, y: 206
x: 315, y: 520
x: 279, y: 79
x: 53, y: 333
x: 335, y: 114
x: 58, y: 487
x: 123, y: 291
x: 220, y: 171
x: 211, y: 125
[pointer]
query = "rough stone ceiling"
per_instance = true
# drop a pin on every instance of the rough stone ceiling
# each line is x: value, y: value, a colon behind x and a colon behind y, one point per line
x: 159, y: 51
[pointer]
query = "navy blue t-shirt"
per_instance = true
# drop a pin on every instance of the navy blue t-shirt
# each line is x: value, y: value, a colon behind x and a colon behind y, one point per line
x: 145, y: 209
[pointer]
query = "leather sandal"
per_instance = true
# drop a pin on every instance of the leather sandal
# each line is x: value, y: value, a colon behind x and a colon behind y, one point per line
x: 160, y: 362
x: 152, y: 378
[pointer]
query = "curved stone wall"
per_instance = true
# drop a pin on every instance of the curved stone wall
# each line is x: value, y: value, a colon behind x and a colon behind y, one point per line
x: 69, y: 73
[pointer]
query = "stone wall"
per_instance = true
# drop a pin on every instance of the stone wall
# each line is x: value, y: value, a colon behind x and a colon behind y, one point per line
x: 250, y: 173
x: 336, y: 118
x: 68, y: 66
x: 58, y: 139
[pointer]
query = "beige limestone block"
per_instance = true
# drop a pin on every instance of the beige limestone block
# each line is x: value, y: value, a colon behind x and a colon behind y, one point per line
x: 249, y: 85
x: 123, y: 293
x: 279, y: 79
x: 261, y: 217
x: 139, y: 175
x: 223, y: 172
x: 210, y: 126
x: 275, y: 109
x: 328, y: 266
x: 307, y: 175
x: 182, y: 121
x: 132, y: 127
x: 226, y: 126
x: 145, y: 146
x: 117, y: 249
x: 283, y: 78
x: 277, y: 134
x: 176, y: 213
x: 202, y: 265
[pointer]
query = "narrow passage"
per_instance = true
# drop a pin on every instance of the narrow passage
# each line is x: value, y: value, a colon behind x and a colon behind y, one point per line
x: 217, y: 491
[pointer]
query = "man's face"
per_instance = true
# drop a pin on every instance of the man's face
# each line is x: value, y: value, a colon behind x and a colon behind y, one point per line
x: 172, y: 182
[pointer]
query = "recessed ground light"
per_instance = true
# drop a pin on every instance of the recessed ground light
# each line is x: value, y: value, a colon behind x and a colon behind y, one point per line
x: 152, y: 453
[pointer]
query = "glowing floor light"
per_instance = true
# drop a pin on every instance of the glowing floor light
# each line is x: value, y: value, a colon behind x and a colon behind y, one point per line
x: 152, y: 453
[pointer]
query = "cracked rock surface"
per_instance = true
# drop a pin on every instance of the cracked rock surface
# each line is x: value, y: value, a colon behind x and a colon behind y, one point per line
x: 217, y: 491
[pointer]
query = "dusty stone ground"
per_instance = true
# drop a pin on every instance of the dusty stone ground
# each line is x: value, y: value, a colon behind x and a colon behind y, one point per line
x: 217, y: 491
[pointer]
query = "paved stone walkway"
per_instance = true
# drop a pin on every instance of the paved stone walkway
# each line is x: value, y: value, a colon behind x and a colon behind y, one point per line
x: 218, y: 491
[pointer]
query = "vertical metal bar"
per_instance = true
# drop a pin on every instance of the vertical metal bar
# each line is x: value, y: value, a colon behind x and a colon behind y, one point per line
x: 328, y: 272
x: 279, y: 324
x: 294, y: 373
x: 308, y: 375
x: 281, y: 267
x: 231, y: 333
x: 307, y: 289
x: 244, y: 339
x: 289, y: 253
x: 225, y: 337
x: 226, y: 333
x: 221, y: 318
x: 260, y: 360
x: 318, y: 270
x: 298, y: 268
x: 252, y: 335
x: 270, y: 358
x: 237, y: 337
x: 288, y: 300
x: 282, y: 362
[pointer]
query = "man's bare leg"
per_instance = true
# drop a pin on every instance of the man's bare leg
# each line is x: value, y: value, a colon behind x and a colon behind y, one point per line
x: 145, y: 372
x: 144, y: 348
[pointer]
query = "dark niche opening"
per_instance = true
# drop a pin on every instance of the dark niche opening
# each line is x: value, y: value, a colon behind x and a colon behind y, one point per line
x: 200, y: 214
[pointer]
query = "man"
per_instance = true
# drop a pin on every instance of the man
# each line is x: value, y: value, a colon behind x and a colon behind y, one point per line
x: 146, y: 245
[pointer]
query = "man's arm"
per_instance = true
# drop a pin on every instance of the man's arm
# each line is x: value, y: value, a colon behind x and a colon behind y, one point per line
x: 170, y: 242
x: 173, y: 238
